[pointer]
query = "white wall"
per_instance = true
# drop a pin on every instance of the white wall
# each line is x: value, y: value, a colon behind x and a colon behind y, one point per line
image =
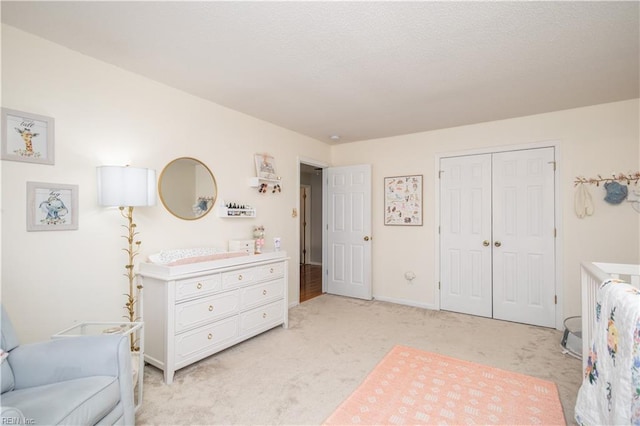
x: 600, y: 139
x: 105, y: 115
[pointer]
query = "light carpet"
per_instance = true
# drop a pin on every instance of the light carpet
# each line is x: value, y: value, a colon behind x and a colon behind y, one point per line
x: 300, y: 375
x: 411, y: 386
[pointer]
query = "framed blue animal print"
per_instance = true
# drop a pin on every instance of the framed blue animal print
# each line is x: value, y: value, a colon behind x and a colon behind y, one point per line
x: 52, y: 206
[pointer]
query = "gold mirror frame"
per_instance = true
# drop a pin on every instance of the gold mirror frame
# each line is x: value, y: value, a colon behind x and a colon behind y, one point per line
x: 190, y: 203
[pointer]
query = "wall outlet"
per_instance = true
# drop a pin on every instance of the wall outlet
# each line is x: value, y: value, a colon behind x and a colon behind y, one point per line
x: 409, y: 276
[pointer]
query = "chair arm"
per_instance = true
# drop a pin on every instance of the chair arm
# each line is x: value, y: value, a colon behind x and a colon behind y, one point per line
x: 70, y: 358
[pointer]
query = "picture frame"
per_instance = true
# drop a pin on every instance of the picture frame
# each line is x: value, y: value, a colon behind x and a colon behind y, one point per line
x: 52, y: 206
x: 403, y: 200
x: 27, y: 137
x: 265, y: 166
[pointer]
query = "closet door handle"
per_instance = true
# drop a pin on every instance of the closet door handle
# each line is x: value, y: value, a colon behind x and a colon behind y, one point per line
x: 486, y: 243
x: 497, y: 244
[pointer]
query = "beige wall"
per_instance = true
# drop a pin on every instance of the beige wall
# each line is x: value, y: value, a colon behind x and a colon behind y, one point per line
x: 595, y: 140
x: 104, y: 115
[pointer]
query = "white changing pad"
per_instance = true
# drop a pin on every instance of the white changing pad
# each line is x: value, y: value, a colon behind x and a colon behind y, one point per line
x: 166, y: 257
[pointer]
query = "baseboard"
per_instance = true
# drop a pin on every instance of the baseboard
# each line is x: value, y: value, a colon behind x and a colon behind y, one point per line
x: 407, y: 302
x: 293, y: 304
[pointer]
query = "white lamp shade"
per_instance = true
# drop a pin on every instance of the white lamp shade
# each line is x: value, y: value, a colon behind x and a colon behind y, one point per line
x: 120, y: 186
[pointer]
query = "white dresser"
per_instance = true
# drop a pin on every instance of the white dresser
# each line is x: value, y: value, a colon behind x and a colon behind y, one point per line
x: 193, y: 311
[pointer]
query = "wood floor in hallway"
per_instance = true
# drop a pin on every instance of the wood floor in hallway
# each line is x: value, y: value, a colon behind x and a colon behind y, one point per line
x: 310, y: 282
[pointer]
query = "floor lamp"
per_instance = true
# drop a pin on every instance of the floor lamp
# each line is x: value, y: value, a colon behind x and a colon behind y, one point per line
x: 126, y: 188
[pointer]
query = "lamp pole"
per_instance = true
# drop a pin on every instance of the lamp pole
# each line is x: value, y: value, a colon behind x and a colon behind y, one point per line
x: 132, y: 251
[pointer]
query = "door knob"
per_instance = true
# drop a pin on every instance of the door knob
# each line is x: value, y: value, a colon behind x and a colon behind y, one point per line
x: 366, y: 238
x: 486, y: 243
x: 497, y: 244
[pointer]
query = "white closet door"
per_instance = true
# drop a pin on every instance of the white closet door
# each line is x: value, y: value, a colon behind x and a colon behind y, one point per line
x: 523, y: 236
x: 465, y: 234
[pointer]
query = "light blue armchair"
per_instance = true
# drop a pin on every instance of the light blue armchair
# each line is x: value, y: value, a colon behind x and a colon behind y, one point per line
x: 72, y: 381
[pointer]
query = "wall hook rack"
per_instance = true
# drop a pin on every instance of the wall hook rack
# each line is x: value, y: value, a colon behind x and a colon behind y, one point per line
x: 620, y: 177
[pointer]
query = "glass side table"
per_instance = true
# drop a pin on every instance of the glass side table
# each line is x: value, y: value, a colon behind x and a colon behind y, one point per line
x: 125, y: 328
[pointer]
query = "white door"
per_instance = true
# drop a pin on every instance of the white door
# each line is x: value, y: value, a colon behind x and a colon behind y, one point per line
x: 465, y: 235
x: 524, y: 236
x: 348, y: 263
x: 497, y: 254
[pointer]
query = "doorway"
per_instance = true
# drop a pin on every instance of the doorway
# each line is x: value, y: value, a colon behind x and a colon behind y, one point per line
x: 310, y: 214
x: 305, y: 224
x: 497, y: 235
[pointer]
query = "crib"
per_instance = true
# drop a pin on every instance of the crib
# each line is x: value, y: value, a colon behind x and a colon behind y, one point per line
x: 593, y: 274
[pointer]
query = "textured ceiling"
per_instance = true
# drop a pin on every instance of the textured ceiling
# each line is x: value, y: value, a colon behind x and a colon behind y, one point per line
x: 361, y: 70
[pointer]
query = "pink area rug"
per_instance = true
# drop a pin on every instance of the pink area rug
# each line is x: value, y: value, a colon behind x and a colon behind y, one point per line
x: 410, y: 386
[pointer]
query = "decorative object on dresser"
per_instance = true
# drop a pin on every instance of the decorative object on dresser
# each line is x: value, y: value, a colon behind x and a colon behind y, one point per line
x: 187, y: 188
x: 126, y: 188
x: 27, y: 137
x: 197, y: 309
x: 258, y: 234
x: 248, y: 246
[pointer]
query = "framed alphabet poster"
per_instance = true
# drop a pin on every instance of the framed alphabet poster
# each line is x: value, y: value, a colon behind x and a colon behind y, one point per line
x: 27, y: 137
x: 403, y: 200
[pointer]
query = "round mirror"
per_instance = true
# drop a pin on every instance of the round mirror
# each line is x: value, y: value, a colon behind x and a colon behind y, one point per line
x: 187, y: 188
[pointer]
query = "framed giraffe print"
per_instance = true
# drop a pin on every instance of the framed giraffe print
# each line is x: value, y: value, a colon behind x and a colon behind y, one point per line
x: 52, y: 206
x: 27, y: 137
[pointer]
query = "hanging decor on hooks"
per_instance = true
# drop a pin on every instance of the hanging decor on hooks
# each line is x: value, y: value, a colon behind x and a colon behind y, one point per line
x: 621, y: 177
x: 583, y: 203
x: 616, y: 191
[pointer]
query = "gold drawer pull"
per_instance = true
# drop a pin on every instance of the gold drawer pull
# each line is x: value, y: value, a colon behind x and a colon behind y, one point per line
x: 210, y: 308
x: 210, y: 336
x: 264, y: 292
x: 199, y: 286
x: 240, y: 277
x: 264, y: 315
x: 271, y: 271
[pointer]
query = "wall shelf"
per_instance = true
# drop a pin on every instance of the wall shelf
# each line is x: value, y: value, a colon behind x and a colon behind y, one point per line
x: 237, y: 213
x: 256, y: 181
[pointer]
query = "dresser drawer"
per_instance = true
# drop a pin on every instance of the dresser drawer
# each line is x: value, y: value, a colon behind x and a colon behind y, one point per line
x: 205, y: 339
x: 260, y: 294
x: 261, y: 318
x: 197, y: 286
x: 204, y: 310
x: 238, y: 277
x: 273, y: 270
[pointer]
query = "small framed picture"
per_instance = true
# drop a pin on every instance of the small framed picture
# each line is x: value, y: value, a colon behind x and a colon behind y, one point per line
x: 403, y: 200
x: 27, y: 137
x: 265, y: 167
x: 52, y: 206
